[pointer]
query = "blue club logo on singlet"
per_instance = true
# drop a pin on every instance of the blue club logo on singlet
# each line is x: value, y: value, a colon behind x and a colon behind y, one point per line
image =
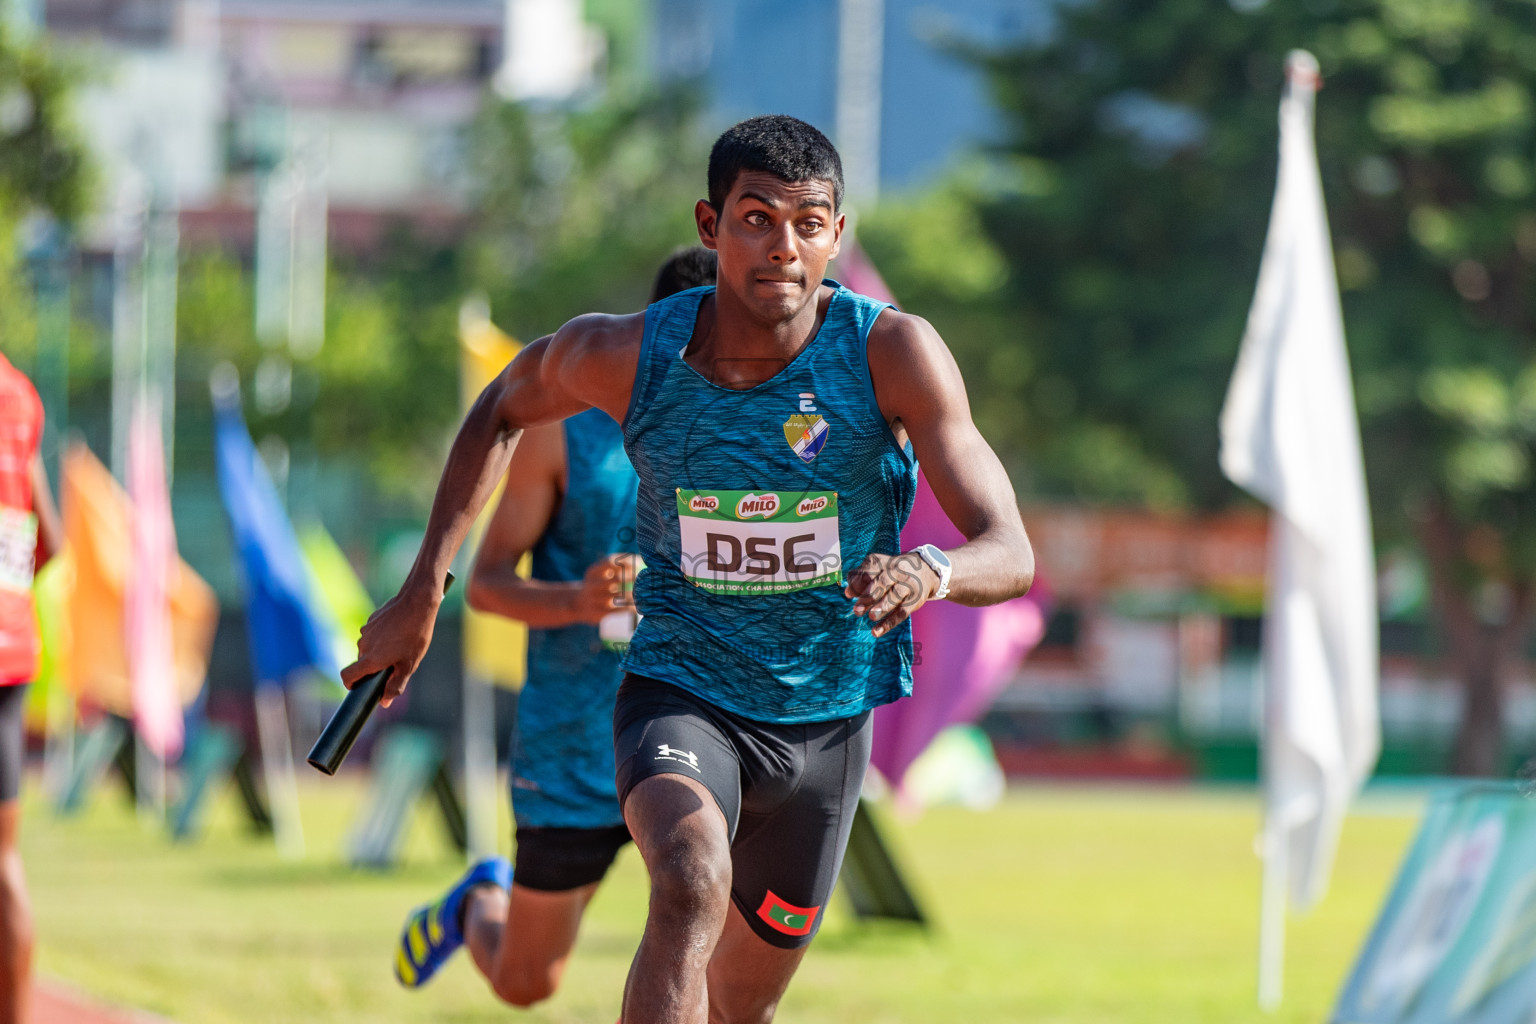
x: 806, y: 432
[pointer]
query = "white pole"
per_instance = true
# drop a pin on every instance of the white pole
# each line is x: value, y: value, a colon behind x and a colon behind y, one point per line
x: 860, y: 66
x: 127, y: 313
x: 59, y: 748
x: 1272, y: 921
x: 1275, y: 889
x: 480, y: 796
x: 157, y: 388
x: 277, y: 770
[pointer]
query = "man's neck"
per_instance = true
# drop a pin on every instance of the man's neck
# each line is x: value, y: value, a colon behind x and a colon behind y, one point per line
x: 734, y: 349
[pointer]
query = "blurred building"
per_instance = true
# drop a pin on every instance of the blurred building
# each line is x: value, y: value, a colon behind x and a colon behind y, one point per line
x: 757, y: 57
x: 1151, y: 665
x: 203, y: 97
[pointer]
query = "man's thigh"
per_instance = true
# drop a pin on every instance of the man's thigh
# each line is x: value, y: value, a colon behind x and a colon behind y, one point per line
x: 539, y: 935
x: 787, y: 853
x: 12, y: 740
x: 554, y: 860
x: 663, y: 732
x: 557, y: 871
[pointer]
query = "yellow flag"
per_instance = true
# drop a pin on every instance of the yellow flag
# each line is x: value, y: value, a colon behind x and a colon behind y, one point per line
x: 495, y: 648
x: 96, y: 525
x: 50, y: 597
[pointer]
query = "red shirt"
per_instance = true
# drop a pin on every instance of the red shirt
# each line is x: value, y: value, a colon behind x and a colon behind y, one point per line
x: 21, y: 430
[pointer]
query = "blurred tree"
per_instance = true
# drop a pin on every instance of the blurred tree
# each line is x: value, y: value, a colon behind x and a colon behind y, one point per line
x: 382, y: 390
x: 42, y: 174
x: 42, y: 162
x: 577, y: 208
x: 572, y: 212
x: 1130, y: 203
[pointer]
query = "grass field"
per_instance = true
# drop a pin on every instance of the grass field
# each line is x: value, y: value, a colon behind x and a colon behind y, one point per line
x: 1062, y: 905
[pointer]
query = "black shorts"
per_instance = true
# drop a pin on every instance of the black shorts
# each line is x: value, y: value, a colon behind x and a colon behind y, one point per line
x: 788, y: 793
x: 558, y: 859
x: 13, y: 740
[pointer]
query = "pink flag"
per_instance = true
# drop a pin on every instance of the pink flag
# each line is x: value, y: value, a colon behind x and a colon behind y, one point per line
x: 964, y: 655
x: 859, y: 275
x: 147, y: 605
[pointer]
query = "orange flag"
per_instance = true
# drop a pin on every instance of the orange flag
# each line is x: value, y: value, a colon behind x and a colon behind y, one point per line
x: 97, y: 528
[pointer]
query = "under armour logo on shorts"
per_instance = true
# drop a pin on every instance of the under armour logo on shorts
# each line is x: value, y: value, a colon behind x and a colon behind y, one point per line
x: 687, y: 757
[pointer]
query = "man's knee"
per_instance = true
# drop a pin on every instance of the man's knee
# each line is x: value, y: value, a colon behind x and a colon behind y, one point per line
x: 683, y: 836
x: 691, y: 870
x: 525, y: 989
x: 756, y: 1014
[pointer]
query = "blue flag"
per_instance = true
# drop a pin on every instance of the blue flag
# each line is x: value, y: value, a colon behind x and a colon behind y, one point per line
x: 287, y: 627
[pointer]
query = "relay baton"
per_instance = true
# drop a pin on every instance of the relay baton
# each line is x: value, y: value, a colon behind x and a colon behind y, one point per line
x: 348, y: 721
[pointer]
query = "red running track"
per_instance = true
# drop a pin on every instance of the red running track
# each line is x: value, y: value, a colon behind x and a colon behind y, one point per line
x: 52, y: 1004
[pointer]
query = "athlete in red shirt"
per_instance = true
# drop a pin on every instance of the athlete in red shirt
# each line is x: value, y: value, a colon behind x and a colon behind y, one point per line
x: 29, y: 535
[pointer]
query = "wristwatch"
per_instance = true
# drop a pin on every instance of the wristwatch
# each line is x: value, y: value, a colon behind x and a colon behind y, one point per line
x: 941, y: 565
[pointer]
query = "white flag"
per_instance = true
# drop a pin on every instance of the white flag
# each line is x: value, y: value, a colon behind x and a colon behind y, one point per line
x: 1289, y: 436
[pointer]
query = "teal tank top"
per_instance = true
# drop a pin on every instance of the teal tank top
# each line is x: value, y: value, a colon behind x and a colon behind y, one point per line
x: 752, y: 507
x: 562, y: 752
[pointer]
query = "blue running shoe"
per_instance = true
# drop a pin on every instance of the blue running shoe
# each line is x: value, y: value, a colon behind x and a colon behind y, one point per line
x: 433, y: 933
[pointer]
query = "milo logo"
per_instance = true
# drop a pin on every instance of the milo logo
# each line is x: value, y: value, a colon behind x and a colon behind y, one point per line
x: 703, y: 503
x: 752, y: 505
x: 810, y: 505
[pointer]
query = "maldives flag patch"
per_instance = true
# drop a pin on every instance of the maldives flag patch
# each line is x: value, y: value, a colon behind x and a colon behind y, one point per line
x: 786, y: 917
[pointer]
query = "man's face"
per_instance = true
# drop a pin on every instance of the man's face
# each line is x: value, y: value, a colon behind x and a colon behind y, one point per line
x: 774, y: 239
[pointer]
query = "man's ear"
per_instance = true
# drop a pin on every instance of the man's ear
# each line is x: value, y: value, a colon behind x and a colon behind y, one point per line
x: 838, y: 223
x: 708, y: 220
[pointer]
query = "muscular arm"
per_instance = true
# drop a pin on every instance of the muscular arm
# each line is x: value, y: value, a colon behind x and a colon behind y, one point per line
x: 535, y: 485
x: 588, y: 362
x: 919, y: 389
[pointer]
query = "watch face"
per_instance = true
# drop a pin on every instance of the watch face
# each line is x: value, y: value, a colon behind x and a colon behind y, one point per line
x: 938, y: 556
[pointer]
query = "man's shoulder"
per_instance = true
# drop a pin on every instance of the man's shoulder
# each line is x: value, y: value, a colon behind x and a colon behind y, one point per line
x: 599, y: 339
x: 606, y: 329
x: 594, y: 358
x: 897, y: 335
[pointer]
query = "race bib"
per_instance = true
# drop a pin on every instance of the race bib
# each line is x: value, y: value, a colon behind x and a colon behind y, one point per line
x: 750, y: 542
x: 18, y: 549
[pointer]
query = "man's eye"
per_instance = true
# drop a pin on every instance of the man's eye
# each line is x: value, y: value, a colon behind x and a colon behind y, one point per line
x: 810, y: 227
x: 756, y: 219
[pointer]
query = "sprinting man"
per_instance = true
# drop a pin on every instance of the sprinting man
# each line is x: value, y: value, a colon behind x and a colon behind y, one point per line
x: 775, y: 424
x: 29, y: 536
x: 570, y: 500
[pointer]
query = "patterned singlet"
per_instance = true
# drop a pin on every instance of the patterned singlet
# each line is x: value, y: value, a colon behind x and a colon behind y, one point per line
x: 562, y: 762
x: 21, y: 430
x: 752, y: 507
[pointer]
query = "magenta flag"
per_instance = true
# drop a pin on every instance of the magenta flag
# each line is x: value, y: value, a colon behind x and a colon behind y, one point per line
x: 147, y: 602
x: 858, y: 274
x: 964, y: 655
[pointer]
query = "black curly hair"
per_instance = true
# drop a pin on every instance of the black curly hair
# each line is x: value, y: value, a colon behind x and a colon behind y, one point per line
x: 777, y: 144
x: 684, y: 269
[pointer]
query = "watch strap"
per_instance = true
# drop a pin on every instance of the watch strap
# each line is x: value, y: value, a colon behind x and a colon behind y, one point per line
x: 942, y: 567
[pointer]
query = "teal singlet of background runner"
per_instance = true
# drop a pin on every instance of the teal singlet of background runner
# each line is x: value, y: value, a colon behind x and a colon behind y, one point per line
x: 562, y: 752
x: 730, y: 482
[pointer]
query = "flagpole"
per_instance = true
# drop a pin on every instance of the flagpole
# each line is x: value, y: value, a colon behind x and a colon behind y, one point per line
x: 860, y: 71
x: 157, y: 394
x: 477, y: 700
x: 1272, y: 904
x: 480, y: 794
x: 53, y: 306
x: 1281, y: 646
x: 277, y: 769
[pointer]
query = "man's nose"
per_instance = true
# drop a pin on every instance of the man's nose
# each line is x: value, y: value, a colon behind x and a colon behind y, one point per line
x: 782, y: 244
